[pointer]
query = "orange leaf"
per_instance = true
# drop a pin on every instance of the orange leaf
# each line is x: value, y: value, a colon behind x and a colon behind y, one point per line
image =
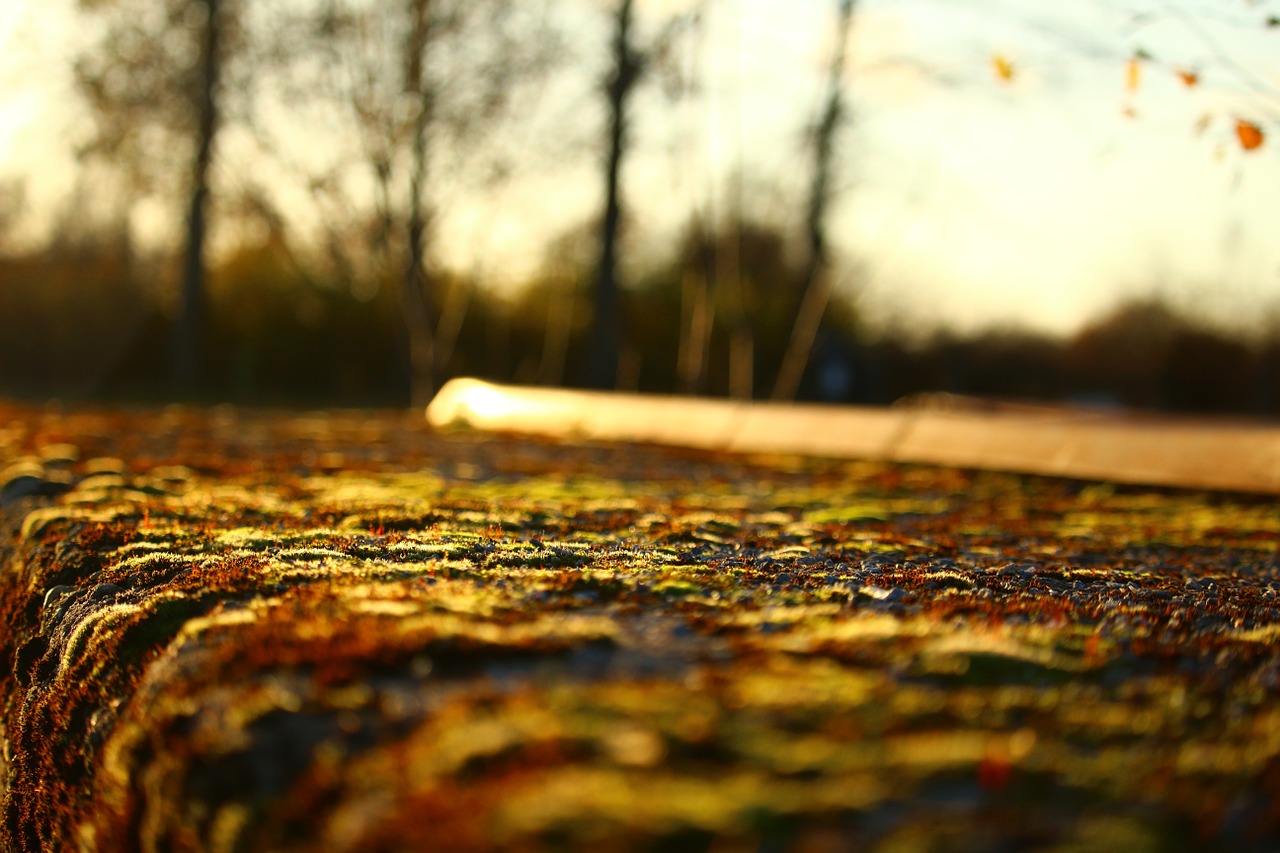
x: 1133, y: 74
x: 1003, y: 67
x: 1249, y: 134
x: 1188, y: 78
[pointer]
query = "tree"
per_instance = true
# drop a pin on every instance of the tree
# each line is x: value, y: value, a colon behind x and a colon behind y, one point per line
x: 156, y: 82
x: 628, y: 64
x: 817, y: 281
x: 748, y: 256
x: 419, y: 310
x: 190, y: 327
x: 697, y: 278
x: 409, y: 87
x: 631, y: 62
x: 1123, y: 351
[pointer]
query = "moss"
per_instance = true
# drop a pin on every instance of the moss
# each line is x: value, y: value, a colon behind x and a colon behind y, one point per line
x: 162, y: 620
x: 631, y: 648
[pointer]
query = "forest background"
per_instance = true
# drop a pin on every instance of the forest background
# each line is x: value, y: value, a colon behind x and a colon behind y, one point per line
x: 335, y: 202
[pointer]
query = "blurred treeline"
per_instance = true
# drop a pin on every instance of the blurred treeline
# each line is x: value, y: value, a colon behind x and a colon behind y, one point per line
x: 87, y: 321
x: 324, y: 142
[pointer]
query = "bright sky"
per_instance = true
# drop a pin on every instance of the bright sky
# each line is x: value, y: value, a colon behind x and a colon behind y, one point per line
x: 1040, y: 200
x: 966, y: 199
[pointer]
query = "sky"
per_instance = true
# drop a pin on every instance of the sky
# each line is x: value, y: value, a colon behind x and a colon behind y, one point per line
x: 964, y: 198
x: 1045, y: 199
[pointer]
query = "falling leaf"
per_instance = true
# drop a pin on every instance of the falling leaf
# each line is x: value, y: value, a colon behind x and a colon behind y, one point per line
x: 1133, y: 74
x: 1202, y: 124
x: 1188, y: 77
x: 1003, y: 67
x: 1249, y: 134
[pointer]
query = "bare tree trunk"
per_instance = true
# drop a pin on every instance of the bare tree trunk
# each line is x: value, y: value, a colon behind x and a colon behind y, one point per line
x: 742, y: 289
x: 698, y: 277
x: 817, y: 284
x: 742, y: 362
x: 607, y: 328
x: 695, y: 338
x: 742, y: 310
x: 188, y: 332
x: 416, y: 284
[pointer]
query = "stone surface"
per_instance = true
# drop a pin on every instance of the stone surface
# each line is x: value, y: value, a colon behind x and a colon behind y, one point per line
x: 275, y: 631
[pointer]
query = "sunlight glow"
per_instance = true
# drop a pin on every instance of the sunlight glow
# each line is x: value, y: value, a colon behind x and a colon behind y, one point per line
x: 962, y: 198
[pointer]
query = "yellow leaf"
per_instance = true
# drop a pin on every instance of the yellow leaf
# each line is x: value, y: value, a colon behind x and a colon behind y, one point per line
x: 1249, y: 134
x: 1133, y: 74
x: 1003, y: 67
x: 1202, y: 123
